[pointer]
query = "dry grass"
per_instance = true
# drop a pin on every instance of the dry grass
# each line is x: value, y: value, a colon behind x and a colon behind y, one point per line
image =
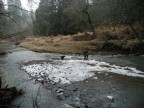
x: 58, y: 44
x: 3, y: 41
x: 109, y: 38
x: 119, y: 29
x: 117, y: 32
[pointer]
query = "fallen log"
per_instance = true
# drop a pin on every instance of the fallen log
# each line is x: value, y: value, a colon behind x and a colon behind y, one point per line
x: 8, y: 94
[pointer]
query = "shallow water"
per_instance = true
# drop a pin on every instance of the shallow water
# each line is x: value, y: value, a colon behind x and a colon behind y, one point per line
x: 127, y: 91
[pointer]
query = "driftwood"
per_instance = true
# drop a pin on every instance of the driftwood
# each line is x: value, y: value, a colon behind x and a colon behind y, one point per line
x: 7, y: 95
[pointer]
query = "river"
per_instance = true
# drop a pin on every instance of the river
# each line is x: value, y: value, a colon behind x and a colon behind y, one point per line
x: 127, y: 92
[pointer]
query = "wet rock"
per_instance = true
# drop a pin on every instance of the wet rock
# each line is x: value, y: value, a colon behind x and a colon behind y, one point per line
x: 59, y: 98
x: 106, y: 74
x: 110, y: 98
x: 75, y: 89
x: 53, y: 83
x: 3, y: 53
x: 86, y: 106
x: 67, y: 106
x: 60, y: 91
x: 67, y: 96
x: 95, y: 78
x: 17, y: 43
x: 77, y: 107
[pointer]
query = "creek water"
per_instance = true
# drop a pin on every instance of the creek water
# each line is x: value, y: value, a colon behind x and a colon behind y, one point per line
x: 128, y: 92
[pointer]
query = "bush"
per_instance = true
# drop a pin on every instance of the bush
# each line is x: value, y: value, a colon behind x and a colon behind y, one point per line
x: 111, y: 46
x: 134, y: 46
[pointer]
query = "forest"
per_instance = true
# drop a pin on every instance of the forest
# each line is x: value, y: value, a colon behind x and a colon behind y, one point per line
x: 55, y: 17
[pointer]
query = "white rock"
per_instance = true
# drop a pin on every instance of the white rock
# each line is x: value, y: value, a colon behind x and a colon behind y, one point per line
x: 60, y: 90
x: 95, y: 78
x: 110, y: 97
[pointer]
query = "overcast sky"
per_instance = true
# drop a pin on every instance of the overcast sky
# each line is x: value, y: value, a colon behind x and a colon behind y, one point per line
x: 26, y: 5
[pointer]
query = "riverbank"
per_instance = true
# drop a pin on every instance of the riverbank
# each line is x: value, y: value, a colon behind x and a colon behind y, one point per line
x: 74, y: 44
x: 92, y: 92
x: 120, y: 39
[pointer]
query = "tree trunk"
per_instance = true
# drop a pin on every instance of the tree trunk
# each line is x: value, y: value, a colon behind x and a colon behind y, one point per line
x: 90, y: 23
x: 89, y: 19
x: 0, y: 83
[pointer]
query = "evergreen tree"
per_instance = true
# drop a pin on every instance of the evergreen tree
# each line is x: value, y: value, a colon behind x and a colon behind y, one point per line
x: 71, y: 16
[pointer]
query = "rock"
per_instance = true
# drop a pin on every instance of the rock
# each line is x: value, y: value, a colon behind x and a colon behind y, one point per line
x: 17, y: 43
x: 60, y: 93
x: 53, y: 83
x: 59, y: 98
x: 95, y: 78
x: 75, y: 89
x: 67, y: 95
x: 3, y: 53
x: 110, y: 98
x: 60, y: 90
x: 106, y: 74
x: 86, y: 106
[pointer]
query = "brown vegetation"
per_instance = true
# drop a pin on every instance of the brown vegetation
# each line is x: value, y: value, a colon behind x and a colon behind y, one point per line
x: 3, y: 41
x: 119, y: 39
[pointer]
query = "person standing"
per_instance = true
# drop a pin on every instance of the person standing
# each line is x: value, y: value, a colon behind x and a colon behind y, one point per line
x: 85, y: 53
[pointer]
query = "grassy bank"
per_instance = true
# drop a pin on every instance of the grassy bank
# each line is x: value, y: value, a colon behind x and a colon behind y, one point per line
x: 120, y: 39
x: 58, y: 44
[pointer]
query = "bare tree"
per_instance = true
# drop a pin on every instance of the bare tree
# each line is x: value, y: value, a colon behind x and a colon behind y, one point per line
x: 85, y: 10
